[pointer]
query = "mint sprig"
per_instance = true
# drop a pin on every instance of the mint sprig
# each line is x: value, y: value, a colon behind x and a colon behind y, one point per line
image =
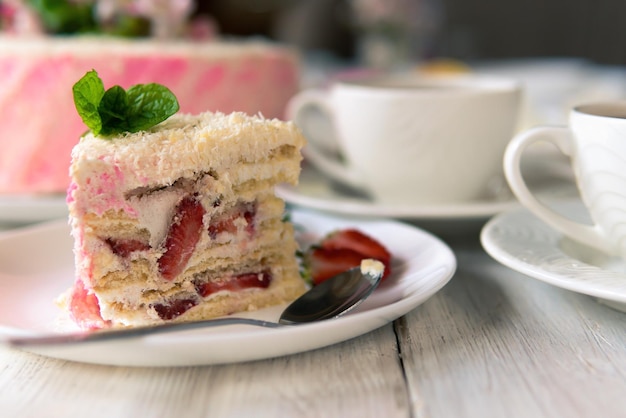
x: 114, y: 111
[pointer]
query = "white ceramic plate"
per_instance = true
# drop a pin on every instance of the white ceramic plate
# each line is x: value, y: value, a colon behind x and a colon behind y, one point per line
x: 32, y: 208
x: 547, y: 173
x: 524, y: 243
x: 36, y: 265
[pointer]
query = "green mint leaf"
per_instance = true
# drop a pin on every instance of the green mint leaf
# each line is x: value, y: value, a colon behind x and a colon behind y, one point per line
x: 113, y: 109
x: 88, y: 93
x: 149, y: 104
x: 116, y: 111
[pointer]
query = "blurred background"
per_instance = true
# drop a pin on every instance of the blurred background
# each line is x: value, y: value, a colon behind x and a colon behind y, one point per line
x: 465, y: 30
x: 565, y: 52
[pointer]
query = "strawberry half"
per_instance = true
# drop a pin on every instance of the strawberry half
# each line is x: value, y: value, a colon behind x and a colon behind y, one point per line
x: 182, y: 237
x: 359, y: 242
x: 356, y: 240
x: 324, y: 263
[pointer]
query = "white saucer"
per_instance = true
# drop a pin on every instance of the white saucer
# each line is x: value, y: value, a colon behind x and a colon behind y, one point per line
x: 524, y: 243
x: 32, y: 208
x: 36, y: 265
x: 546, y: 173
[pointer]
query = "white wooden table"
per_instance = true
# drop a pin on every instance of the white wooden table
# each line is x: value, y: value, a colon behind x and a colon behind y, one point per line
x: 492, y: 343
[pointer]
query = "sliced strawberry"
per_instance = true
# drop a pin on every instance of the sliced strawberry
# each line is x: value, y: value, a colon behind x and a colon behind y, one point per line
x: 124, y: 247
x: 182, y: 237
x: 359, y: 242
x: 226, y: 222
x: 222, y: 224
x: 84, y: 308
x: 236, y: 283
x: 248, y: 214
x: 174, y: 308
x: 324, y: 263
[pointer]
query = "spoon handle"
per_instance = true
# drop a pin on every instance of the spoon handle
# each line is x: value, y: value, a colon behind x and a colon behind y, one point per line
x: 106, y: 335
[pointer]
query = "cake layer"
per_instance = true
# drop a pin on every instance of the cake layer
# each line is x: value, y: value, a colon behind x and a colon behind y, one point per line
x: 263, y: 228
x: 37, y: 74
x: 137, y: 287
x: 211, y: 279
x: 189, y: 306
x: 139, y: 282
x: 110, y: 174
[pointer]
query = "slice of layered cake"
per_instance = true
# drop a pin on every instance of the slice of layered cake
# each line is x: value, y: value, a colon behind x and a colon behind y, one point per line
x: 180, y: 221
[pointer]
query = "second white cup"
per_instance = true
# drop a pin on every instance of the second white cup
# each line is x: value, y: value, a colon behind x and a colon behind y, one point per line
x: 595, y: 141
x: 412, y: 139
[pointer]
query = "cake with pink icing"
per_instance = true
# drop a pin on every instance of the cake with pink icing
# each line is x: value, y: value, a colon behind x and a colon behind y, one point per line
x: 179, y: 222
x: 38, y: 124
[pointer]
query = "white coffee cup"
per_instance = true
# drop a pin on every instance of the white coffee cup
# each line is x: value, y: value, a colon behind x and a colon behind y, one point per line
x: 595, y: 141
x: 410, y: 139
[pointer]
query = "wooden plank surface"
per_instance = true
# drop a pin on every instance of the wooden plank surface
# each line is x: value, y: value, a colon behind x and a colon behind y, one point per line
x: 496, y: 343
x: 361, y: 377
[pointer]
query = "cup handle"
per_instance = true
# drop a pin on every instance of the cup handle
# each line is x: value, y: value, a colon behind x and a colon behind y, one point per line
x: 562, y: 138
x: 321, y: 149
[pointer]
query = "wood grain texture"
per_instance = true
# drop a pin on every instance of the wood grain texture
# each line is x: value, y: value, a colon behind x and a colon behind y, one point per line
x: 496, y: 343
x: 361, y: 377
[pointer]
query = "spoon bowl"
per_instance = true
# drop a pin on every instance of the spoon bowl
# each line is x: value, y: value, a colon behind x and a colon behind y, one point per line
x: 332, y: 298
x: 329, y: 299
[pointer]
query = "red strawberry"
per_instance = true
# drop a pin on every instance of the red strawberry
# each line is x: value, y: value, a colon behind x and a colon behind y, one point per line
x: 226, y: 221
x: 220, y: 225
x: 359, y: 242
x: 175, y: 308
x: 84, y: 308
x: 235, y: 283
x: 124, y: 247
x: 182, y: 237
x: 324, y: 263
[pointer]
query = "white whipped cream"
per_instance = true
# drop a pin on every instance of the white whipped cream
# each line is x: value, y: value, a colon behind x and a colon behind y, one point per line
x: 372, y: 267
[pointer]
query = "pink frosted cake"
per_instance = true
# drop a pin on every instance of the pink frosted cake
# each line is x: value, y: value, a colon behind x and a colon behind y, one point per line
x: 36, y: 76
x: 180, y: 222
